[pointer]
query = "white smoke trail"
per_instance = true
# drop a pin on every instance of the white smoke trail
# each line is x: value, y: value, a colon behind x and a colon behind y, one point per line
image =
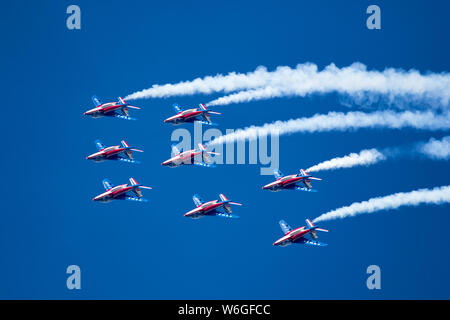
x: 354, y: 80
x: 210, y: 84
x: 437, y: 149
x: 438, y: 195
x: 339, y: 121
x: 363, y: 158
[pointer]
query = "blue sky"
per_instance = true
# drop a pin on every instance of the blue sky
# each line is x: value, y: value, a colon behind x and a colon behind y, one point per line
x: 150, y: 251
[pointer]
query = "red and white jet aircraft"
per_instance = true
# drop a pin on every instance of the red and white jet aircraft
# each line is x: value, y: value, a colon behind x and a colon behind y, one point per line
x: 125, y: 191
x: 117, y: 109
x: 291, y: 181
x: 121, y: 153
x: 199, y: 157
x: 200, y: 114
x: 298, y: 235
x: 212, y: 208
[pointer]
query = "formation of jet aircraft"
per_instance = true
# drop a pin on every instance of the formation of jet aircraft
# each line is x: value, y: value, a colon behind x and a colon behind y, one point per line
x: 200, y: 156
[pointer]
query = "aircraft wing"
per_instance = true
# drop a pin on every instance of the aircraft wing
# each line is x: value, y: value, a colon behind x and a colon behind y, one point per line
x: 177, y: 107
x: 277, y: 173
x: 313, y: 242
x: 175, y: 150
x: 96, y: 101
x: 197, y: 200
x: 107, y: 184
x: 284, y: 226
x: 99, y: 145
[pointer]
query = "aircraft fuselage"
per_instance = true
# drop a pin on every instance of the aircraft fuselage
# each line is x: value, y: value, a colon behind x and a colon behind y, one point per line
x: 186, y: 157
x: 113, y: 193
x: 292, y: 236
x: 204, y: 209
x: 109, y: 152
x: 285, y: 182
x: 184, y: 116
x: 103, y: 109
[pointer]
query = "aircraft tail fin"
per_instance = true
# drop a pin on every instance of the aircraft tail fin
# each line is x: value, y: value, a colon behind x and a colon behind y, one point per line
x: 124, y: 144
x: 227, y: 205
x: 122, y: 101
x: 133, y: 182
x: 222, y: 197
x: 137, y: 187
x: 201, y: 147
x: 204, y: 108
x: 303, y: 173
x: 314, y: 229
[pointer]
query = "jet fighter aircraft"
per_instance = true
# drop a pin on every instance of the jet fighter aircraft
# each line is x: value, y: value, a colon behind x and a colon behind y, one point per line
x: 200, y: 114
x: 117, y: 109
x: 121, y: 192
x: 199, y: 157
x: 291, y: 181
x: 220, y: 208
x: 121, y: 153
x: 298, y: 235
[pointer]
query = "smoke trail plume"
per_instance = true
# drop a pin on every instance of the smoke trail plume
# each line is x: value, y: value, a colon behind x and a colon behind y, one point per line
x: 363, y: 158
x: 339, y: 121
x: 438, y: 195
x: 354, y: 80
x: 436, y: 149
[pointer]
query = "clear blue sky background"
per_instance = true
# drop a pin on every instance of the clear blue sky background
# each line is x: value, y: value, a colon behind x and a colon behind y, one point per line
x: 150, y: 251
